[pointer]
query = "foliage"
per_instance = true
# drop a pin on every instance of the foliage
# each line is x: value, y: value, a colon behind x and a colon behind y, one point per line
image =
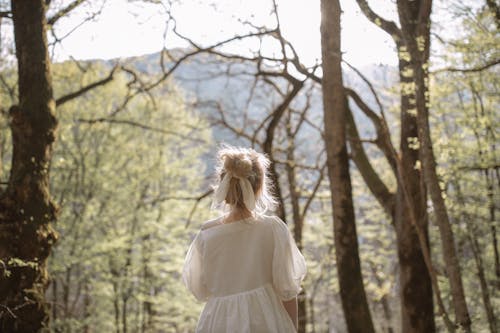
x: 126, y: 187
x: 123, y: 193
x: 466, y: 121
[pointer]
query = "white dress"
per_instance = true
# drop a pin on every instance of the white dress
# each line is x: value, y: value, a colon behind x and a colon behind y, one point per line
x: 243, y: 270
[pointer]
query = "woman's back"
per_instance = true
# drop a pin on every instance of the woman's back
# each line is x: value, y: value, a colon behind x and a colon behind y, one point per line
x: 237, y: 255
x: 244, y: 270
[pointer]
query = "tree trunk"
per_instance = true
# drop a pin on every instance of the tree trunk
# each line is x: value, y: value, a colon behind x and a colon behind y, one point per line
x: 26, y: 236
x: 476, y: 251
x: 415, y: 23
x: 267, y: 145
x: 86, y: 306
x: 297, y: 219
x: 494, y: 241
x: 384, y: 302
x: 352, y: 293
x: 417, y: 308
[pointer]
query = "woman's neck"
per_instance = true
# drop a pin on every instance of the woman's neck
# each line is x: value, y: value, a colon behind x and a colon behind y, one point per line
x: 237, y: 214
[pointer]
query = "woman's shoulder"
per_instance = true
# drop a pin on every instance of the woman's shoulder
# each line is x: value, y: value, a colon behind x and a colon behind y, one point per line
x: 264, y: 221
x: 271, y: 220
x: 211, y: 223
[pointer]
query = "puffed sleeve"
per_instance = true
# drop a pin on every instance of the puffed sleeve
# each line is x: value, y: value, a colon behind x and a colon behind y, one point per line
x: 289, y: 266
x: 192, y: 273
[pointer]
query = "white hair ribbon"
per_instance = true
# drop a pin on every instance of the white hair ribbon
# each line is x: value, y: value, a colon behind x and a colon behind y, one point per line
x: 246, y: 190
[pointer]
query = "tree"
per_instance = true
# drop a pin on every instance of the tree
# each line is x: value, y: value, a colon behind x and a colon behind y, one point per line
x: 27, y: 207
x: 415, y: 28
x: 26, y: 235
x: 118, y: 266
x: 413, y: 44
x: 352, y: 291
x: 417, y: 309
x: 462, y: 93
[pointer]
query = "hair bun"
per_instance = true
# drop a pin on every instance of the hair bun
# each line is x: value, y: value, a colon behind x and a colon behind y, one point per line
x: 240, y: 165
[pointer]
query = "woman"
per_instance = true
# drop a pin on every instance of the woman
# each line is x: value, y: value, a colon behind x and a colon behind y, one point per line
x: 244, y: 264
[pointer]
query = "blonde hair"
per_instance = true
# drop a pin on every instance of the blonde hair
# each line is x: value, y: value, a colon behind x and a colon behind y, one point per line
x: 252, y: 165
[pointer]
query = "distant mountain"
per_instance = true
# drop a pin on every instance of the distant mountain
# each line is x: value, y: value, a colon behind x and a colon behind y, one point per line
x: 214, y: 83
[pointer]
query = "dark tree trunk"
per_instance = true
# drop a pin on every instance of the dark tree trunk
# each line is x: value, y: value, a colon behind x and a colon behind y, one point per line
x: 267, y: 146
x: 352, y: 293
x: 297, y: 219
x: 415, y: 26
x: 417, y: 308
x: 26, y: 236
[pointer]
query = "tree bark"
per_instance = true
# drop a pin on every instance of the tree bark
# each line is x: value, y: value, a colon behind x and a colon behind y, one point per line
x: 476, y: 251
x: 352, y: 293
x: 297, y: 218
x: 27, y: 210
x: 267, y: 146
x: 415, y: 26
x: 417, y: 308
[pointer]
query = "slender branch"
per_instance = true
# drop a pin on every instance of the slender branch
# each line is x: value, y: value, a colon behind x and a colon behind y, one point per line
x: 197, y: 201
x: 222, y: 121
x: 388, y: 26
x: 8, y: 310
x: 139, y: 125
x: 481, y: 68
x: 278, y: 112
x: 370, y: 86
x: 64, y: 11
x: 278, y: 33
x: 175, y: 198
x: 267, y: 145
x: 305, y: 109
x: 383, y: 140
x: 61, y: 100
x: 10, y: 89
x: 221, y: 43
x: 377, y: 187
x: 6, y: 14
x: 480, y: 168
x: 314, y: 191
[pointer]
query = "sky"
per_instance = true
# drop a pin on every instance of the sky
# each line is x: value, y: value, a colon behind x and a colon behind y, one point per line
x: 130, y: 28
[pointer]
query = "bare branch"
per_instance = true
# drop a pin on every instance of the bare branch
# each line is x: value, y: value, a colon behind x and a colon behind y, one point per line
x: 369, y: 84
x: 8, y: 310
x: 388, y: 26
x: 311, y: 197
x: 278, y: 33
x: 161, y: 198
x: 64, y: 11
x: 377, y: 187
x: 304, y: 111
x: 481, y: 68
x: 480, y: 168
x: 60, y: 101
x: 6, y: 14
x: 143, y: 126
x: 223, y: 42
x: 223, y: 121
x: 377, y: 121
x: 10, y: 89
x: 198, y: 200
x: 383, y: 140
